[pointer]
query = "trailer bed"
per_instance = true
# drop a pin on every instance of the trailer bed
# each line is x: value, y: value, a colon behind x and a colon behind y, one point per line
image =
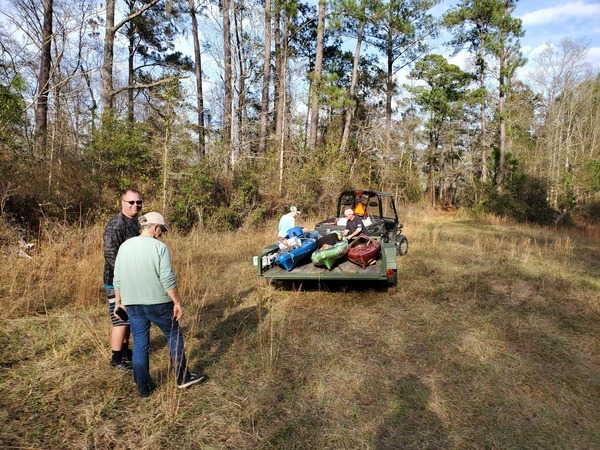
x: 345, y: 270
x: 383, y: 269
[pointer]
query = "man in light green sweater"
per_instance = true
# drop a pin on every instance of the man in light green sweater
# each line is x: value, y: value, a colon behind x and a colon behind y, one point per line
x: 145, y: 287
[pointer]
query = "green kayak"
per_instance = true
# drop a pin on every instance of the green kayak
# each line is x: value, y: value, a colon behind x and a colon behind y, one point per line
x: 326, y: 255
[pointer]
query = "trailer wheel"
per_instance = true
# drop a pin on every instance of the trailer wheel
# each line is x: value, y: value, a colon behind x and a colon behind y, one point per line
x: 401, y: 245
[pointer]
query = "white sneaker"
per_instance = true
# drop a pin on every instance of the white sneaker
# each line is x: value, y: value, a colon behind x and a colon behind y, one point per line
x: 190, y: 380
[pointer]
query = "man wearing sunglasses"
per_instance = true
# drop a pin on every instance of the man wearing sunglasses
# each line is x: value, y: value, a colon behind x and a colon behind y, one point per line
x: 120, y: 228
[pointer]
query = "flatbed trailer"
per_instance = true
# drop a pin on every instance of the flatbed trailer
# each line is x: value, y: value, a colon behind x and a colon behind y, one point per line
x: 384, y: 269
x: 380, y: 218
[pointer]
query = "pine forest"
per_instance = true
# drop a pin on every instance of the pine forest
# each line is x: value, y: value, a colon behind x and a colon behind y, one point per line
x: 225, y: 113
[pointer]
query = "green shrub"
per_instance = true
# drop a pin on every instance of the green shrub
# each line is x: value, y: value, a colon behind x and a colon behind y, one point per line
x: 121, y: 155
x: 257, y: 217
x: 195, y: 198
x: 523, y: 198
x: 588, y: 213
x: 224, y: 218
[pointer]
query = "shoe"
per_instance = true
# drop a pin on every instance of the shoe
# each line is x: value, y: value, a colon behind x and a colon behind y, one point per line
x: 127, y: 355
x: 146, y: 394
x: 190, y: 380
x: 123, y: 365
x: 147, y: 390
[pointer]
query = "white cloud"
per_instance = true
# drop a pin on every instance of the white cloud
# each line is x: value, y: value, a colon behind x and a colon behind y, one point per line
x: 562, y: 13
x: 593, y: 55
x: 540, y: 49
x: 462, y: 59
x: 526, y: 49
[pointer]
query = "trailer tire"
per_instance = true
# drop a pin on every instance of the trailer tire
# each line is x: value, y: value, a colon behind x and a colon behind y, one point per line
x: 401, y: 245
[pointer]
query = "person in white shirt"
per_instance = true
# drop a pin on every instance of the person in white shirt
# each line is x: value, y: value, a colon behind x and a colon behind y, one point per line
x: 287, y: 221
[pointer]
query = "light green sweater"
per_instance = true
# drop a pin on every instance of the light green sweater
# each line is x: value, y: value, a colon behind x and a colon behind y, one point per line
x: 143, y: 272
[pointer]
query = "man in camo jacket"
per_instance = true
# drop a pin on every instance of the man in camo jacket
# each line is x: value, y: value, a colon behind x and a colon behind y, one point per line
x: 121, y: 227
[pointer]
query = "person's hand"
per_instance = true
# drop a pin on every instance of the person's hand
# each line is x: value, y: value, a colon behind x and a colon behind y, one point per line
x: 345, y: 232
x: 117, y: 307
x: 177, y: 311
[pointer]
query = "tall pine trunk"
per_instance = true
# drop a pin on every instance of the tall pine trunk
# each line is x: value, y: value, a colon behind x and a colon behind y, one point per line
x: 264, y: 103
x: 388, y: 102
x: 131, y: 66
x: 278, y: 63
x: 41, y: 110
x: 316, y: 81
x: 483, y: 133
x: 280, y: 79
x: 199, y: 92
x: 228, y: 77
x: 503, y: 61
x: 502, y: 153
x: 107, y: 63
x: 350, y: 109
x: 242, y: 107
x: 280, y: 127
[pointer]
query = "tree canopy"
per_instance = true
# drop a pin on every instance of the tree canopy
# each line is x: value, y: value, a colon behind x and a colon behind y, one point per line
x: 298, y: 100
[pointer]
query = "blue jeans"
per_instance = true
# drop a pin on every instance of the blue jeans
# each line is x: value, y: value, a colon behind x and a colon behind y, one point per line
x: 161, y: 315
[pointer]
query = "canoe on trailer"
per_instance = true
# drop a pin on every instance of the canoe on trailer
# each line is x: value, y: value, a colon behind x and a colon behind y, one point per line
x: 363, y: 250
x: 291, y: 259
x: 329, y: 250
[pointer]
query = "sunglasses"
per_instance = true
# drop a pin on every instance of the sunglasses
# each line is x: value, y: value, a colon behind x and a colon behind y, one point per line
x: 132, y: 202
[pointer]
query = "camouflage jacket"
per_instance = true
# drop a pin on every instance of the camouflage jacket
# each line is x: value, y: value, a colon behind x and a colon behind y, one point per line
x: 118, y: 230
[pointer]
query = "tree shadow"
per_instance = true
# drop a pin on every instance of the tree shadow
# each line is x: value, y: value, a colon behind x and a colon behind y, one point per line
x: 332, y: 286
x: 411, y: 424
x: 217, y: 330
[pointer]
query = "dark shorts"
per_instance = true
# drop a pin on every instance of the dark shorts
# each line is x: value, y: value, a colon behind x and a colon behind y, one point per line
x: 110, y: 294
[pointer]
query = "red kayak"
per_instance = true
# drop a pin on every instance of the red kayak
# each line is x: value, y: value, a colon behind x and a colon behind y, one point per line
x: 363, y: 250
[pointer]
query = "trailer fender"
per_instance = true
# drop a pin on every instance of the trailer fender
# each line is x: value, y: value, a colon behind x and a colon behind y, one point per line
x: 389, y: 252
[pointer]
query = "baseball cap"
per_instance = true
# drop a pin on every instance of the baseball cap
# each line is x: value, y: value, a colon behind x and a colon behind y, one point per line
x: 154, y: 218
x: 294, y: 209
x: 348, y: 212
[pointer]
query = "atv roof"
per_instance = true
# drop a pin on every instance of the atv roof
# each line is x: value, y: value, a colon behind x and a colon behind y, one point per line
x: 350, y: 198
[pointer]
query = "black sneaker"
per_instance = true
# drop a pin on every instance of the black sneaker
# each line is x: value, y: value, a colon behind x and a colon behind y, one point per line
x: 146, y: 394
x: 126, y: 355
x: 123, y: 365
x: 191, y: 379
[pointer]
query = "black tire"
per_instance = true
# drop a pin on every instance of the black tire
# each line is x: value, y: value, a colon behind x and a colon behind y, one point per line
x: 401, y: 245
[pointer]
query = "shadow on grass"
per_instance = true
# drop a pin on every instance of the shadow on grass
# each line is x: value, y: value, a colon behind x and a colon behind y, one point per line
x: 218, y: 334
x: 524, y: 358
x: 333, y: 286
x: 411, y: 424
x: 218, y: 330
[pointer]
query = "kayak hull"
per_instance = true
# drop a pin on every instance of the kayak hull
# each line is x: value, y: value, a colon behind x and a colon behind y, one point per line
x: 363, y: 250
x: 297, y: 256
x: 328, y: 255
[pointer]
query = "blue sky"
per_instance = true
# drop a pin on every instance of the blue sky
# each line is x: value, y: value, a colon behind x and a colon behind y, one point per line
x: 547, y: 21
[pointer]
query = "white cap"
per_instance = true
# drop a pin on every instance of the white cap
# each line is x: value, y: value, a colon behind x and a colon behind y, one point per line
x: 155, y: 219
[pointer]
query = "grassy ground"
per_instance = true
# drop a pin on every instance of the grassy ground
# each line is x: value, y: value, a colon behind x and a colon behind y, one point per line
x: 490, y: 340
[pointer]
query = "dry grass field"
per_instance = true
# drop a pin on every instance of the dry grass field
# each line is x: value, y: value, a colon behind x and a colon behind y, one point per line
x: 490, y: 340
